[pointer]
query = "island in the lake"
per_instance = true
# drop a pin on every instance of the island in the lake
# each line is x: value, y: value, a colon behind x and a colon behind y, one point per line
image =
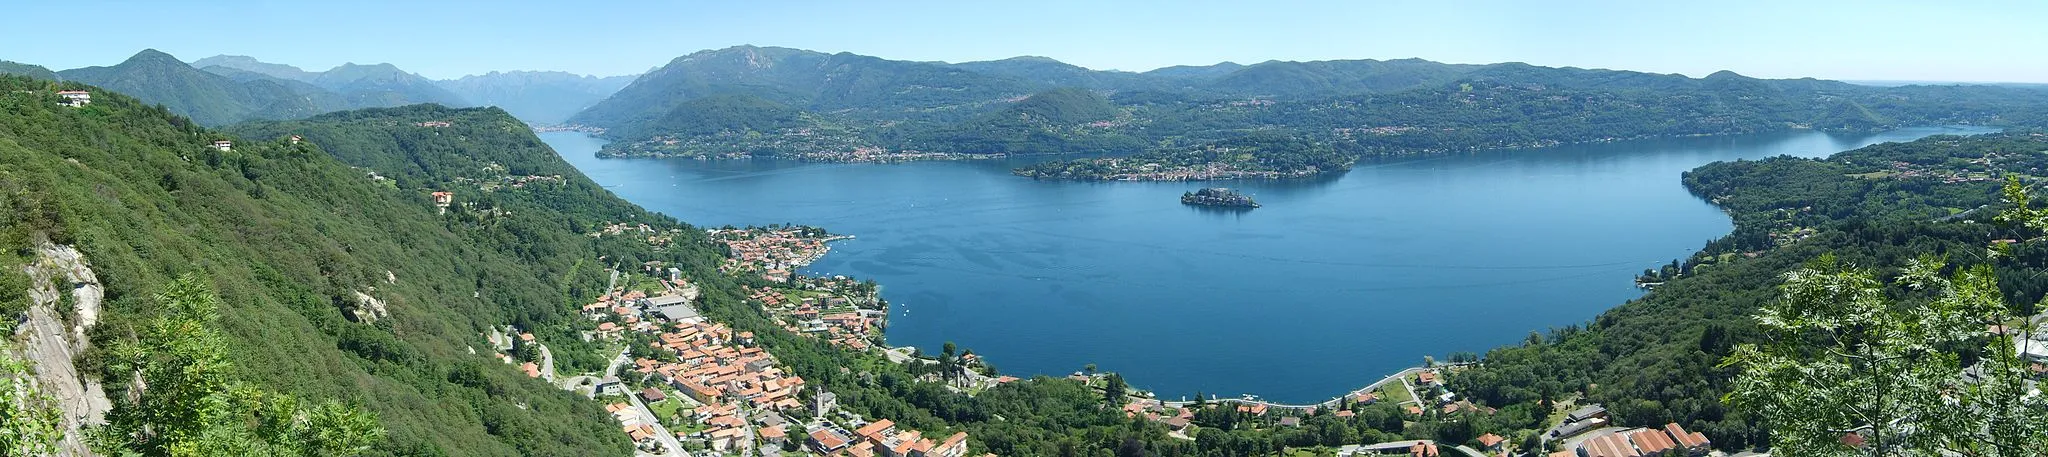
x: 1219, y: 197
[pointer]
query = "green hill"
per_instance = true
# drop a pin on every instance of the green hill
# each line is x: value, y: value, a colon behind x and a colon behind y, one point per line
x: 1369, y: 107
x: 1058, y: 121
x: 210, y: 99
x: 861, y: 86
x: 287, y: 235
x: 1658, y: 359
x: 32, y: 71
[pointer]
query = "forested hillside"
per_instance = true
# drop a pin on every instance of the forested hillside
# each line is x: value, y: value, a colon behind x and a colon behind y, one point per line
x: 287, y: 236
x: 1660, y: 358
x: 1363, y: 107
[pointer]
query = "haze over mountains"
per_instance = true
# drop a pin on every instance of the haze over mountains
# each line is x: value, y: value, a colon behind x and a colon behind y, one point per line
x: 225, y: 89
x: 707, y: 103
x: 852, y: 102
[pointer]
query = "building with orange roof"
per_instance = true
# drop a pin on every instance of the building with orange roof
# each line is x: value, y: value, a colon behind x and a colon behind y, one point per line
x: 1424, y: 449
x: 1491, y: 442
x: 1652, y: 441
x: 1693, y: 442
x: 1608, y: 445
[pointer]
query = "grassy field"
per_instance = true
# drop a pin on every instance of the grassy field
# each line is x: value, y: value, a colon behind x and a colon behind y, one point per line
x: 665, y: 410
x: 1395, y: 394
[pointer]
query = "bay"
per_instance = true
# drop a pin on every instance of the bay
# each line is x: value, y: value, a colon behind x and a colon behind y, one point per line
x: 1334, y: 283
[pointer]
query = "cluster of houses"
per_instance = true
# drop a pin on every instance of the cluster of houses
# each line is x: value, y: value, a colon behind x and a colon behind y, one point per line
x: 502, y: 341
x: 1627, y: 443
x: 882, y: 438
x: 637, y: 426
x: 1672, y: 438
x: 775, y: 253
x: 656, y: 238
x: 1906, y: 170
x: 833, y: 318
x: 435, y: 124
x: 719, y: 369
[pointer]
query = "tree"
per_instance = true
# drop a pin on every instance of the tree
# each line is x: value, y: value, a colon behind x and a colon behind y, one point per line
x: 1842, y: 357
x: 1113, y: 390
x: 28, y: 418
x: 187, y: 402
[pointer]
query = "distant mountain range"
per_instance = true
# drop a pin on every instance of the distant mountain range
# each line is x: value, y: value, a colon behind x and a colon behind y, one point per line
x: 750, y: 100
x: 225, y: 89
x: 1037, y: 105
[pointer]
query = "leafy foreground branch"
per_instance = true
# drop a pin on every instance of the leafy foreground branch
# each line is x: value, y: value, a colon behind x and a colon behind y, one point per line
x: 183, y: 398
x: 1855, y: 366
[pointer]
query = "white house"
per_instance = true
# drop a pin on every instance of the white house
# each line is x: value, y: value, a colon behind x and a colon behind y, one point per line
x: 75, y: 98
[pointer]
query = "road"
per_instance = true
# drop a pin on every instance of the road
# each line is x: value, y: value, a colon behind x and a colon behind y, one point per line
x: 547, y: 363
x: 1399, y: 376
x: 670, y: 447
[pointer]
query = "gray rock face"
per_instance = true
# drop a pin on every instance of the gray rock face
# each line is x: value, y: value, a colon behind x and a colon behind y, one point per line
x: 50, y: 345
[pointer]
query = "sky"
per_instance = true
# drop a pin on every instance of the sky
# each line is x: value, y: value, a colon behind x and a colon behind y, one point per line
x: 1979, y: 41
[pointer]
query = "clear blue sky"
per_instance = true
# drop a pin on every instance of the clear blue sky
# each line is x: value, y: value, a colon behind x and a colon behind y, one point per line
x: 1856, y: 40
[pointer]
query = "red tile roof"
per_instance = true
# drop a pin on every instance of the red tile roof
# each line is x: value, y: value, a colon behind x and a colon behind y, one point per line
x: 1489, y: 440
x: 1692, y: 440
x: 1652, y: 441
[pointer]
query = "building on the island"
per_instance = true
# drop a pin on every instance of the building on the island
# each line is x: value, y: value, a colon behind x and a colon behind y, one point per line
x: 1427, y: 378
x: 1290, y: 421
x: 443, y: 198
x: 75, y: 98
x: 609, y: 331
x: 296, y: 139
x: 224, y: 145
x: 532, y: 371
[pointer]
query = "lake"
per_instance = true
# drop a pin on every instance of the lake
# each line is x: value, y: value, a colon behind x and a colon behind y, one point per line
x: 1333, y: 284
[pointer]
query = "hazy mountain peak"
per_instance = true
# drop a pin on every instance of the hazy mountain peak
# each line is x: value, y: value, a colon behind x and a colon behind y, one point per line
x: 1725, y: 74
x: 252, y: 65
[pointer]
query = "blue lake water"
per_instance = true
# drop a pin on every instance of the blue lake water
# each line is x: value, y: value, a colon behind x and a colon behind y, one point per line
x: 1333, y: 284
